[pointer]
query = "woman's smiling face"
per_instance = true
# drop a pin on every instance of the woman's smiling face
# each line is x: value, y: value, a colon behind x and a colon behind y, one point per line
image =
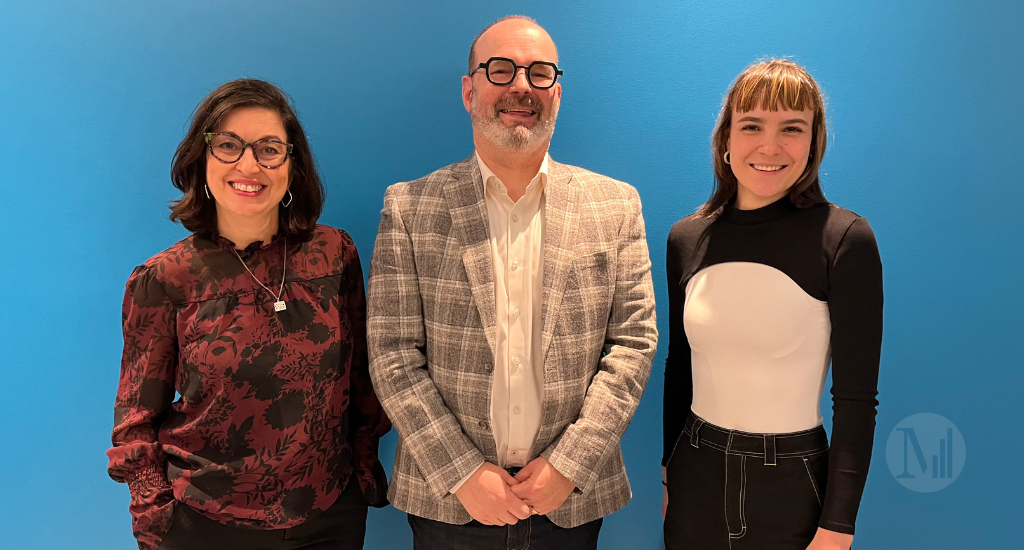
x: 245, y: 191
x: 768, y: 152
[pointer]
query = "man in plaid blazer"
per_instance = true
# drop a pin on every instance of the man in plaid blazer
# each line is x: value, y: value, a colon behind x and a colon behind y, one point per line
x: 511, y: 322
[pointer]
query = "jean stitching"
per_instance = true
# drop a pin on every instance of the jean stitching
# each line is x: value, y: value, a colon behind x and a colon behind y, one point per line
x: 742, y: 461
x: 743, y: 496
x: 695, y: 434
x: 743, y: 500
x: 814, y: 484
x: 725, y: 499
x: 674, y: 447
x: 512, y: 536
x: 529, y: 533
x: 812, y: 452
x: 703, y: 425
x: 713, y: 445
x: 759, y: 454
x: 771, y: 460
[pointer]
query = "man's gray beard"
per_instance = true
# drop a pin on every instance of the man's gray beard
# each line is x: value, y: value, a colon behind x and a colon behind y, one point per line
x: 517, y: 138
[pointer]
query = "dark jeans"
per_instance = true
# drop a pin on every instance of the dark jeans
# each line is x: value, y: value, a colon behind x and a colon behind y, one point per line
x: 535, y: 533
x: 340, y: 527
x: 734, y: 490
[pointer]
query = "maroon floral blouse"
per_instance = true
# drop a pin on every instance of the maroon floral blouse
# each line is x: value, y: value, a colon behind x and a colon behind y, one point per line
x: 276, y: 409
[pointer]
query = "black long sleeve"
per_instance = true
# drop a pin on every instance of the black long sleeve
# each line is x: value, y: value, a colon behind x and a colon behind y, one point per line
x: 678, y: 373
x: 855, y: 309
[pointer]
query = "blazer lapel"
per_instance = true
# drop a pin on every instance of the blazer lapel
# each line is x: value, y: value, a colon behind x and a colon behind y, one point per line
x: 464, y: 196
x: 561, y: 218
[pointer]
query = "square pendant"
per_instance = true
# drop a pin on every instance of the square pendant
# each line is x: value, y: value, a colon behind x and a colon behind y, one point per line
x: 279, y: 306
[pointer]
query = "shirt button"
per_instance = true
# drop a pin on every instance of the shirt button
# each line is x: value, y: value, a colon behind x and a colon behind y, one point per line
x: 515, y: 217
x: 515, y: 410
x: 515, y: 359
x: 515, y: 265
x: 515, y: 311
x: 513, y: 453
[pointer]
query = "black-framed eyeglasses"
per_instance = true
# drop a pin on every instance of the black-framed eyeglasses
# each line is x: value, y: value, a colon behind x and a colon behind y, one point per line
x: 501, y: 71
x: 228, y: 148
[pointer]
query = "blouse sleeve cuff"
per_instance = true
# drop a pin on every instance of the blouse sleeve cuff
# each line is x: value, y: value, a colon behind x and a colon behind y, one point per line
x: 146, y: 480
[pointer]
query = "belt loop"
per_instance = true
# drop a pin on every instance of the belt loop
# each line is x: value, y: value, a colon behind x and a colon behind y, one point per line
x: 769, y: 450
x: 694, y: 437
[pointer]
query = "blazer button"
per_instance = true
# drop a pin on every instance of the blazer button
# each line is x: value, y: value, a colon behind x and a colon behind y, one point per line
x: 483, y: 424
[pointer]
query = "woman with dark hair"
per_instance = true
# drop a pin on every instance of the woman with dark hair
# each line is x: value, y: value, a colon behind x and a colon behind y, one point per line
x: 769, y: 283
x: 257, y: 322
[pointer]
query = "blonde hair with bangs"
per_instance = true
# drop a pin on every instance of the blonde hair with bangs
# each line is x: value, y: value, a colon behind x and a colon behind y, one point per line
x: 776, y: 84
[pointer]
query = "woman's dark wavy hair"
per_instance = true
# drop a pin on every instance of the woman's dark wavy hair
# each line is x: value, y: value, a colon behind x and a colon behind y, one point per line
x: 772, y: 85
x: 188, y: 171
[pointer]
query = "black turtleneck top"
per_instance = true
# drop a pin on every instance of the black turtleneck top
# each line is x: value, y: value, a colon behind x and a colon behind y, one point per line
x: 760, y: 303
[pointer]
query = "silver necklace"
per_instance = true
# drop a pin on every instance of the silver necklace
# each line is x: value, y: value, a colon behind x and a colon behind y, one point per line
x: 279, y: 304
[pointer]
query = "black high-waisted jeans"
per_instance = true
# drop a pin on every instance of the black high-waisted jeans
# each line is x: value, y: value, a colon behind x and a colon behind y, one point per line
x: 735, y: 490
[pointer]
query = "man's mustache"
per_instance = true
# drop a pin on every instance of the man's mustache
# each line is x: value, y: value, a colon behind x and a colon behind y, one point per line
x: 522, y: 101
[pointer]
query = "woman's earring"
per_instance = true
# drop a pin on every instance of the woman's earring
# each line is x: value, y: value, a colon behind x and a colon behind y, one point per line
x: 726, y: 157
x: 287, y: 203
x: 207, y: 188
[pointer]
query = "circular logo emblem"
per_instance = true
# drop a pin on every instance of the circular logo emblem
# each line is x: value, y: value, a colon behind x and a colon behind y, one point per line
x: 925, y: 452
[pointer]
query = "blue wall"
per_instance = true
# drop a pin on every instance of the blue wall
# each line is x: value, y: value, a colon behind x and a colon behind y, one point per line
x: 928, y: 144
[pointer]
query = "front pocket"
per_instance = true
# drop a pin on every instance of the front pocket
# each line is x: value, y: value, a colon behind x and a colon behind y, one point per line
x: 735, y: 495
x: 816, y: 467
x: 675, y: 447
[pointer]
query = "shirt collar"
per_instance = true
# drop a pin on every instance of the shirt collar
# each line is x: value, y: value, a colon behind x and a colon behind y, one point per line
x: 486, y: 174
x: 769, y: 212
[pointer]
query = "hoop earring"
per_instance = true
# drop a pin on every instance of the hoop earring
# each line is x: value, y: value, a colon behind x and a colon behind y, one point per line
x: 290, y: 197
x: 207, y: 188
x: 725, y: 157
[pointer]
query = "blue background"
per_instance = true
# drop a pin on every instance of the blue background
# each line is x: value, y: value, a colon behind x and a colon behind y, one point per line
x: 926, y: 142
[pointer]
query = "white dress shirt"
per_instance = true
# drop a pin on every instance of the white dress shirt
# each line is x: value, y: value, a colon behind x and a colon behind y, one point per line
x: 517, y: 237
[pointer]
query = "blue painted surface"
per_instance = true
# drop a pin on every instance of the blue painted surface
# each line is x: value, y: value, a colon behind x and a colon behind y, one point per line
x: 928, y: 144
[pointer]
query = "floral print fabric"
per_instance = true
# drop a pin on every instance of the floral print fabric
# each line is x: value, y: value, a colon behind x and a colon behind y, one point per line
x: 274, y: 409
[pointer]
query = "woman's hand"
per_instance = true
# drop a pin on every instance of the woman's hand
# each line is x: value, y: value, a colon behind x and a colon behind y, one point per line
x: 664, y: 491
x: 830, y: 540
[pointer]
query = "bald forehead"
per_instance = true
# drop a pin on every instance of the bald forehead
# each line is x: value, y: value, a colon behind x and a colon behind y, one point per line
x: 517, y: 38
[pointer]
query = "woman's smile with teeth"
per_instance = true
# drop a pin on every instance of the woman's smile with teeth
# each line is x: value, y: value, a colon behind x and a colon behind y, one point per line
x: 248, y: 188
x: 768, y: 167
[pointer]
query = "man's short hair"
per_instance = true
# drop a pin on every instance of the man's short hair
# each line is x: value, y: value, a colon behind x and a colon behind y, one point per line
x: 472, y: 48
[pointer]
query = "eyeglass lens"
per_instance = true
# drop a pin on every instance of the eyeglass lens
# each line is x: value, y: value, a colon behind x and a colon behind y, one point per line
x: 503, y: 72
x: 230, y: 149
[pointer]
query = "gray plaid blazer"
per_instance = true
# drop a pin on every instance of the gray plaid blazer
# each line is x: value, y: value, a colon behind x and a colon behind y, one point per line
x: 431, y: 335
